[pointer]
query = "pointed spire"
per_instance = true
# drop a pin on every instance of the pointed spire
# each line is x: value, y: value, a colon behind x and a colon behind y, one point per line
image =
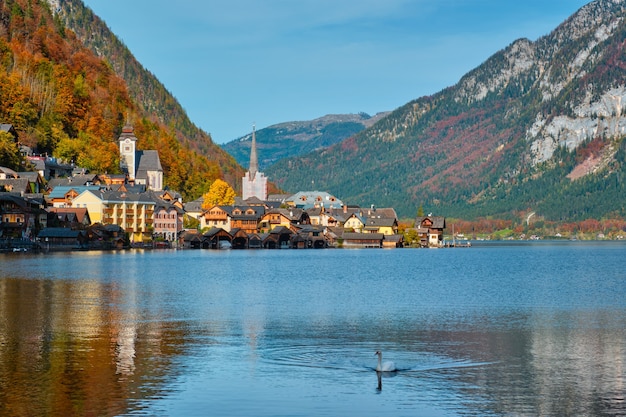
x: 254, y: 163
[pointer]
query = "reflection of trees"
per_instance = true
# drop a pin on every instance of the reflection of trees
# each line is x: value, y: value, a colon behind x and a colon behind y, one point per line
x: 78, y: 348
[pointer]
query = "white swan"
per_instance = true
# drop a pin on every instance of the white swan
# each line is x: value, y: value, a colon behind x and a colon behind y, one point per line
x: 387, y: 366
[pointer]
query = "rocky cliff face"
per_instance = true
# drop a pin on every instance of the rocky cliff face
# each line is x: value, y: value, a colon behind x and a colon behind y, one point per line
x: 548, y: 110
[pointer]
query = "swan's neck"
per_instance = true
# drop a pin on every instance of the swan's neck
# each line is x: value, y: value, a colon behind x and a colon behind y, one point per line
x: 380, y: 362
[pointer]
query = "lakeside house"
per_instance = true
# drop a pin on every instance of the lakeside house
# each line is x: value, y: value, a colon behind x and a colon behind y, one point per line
x: 430, y: 230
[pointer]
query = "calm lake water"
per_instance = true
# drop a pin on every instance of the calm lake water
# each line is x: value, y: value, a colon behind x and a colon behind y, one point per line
x: 500, y: 330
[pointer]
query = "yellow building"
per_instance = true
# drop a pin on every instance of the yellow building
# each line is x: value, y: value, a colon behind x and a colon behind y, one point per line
x: 92, y: 201
x: 132, y: 212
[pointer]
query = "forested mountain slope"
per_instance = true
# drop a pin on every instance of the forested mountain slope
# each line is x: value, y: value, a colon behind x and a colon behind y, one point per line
x: 290, y: 139
x: 537, y: 127
x: 150, y: 101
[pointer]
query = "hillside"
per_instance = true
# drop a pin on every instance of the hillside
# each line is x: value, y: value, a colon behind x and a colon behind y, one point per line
x: 191, y: 158
x: 290, y: 139
x: 537, y: 127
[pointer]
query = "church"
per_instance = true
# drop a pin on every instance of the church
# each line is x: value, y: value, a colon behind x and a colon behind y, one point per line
x: 141, y: 167
x: 254, y: 182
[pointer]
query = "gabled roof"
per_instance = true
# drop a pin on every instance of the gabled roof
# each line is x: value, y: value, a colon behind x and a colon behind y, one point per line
x: 308, y: 199
x: 293, y: 214
x: 9, y: 172
x: 124, y: 197
x: 18, y: 185
x: 380, y: 222
x: 439, y: 222
x: 76, y: 214
x: 194, y: 206
x: 60, y: 190
x: 147, y: 161
x: 33, y: 176
x: 76, y: 180
x: 15, y: 199
x: 7, y: 127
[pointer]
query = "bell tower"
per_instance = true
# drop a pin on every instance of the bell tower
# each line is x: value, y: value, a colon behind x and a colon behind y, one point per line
x: 128, y: 154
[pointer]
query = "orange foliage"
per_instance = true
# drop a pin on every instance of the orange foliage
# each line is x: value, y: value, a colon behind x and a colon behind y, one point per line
x: 53, y: 90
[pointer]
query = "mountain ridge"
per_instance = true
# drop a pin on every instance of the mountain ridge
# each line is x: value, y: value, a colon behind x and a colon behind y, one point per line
x: 147, y: 91
x: 486, y: 145
x: 294, y: 138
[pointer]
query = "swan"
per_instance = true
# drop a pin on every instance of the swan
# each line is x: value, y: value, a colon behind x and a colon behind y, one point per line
x: 386, y: 366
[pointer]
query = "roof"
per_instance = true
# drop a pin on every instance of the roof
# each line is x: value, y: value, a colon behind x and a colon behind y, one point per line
x: 33, y: 176
x: 60, y: 190
x: 194, y: 206
x: 147, y: 161
x: 293, y: 214
x: 76, y: 214
x: 380, y: 222
x: 122, y: 197
x: 8, y: 172
x: 16, y: 184
x: 308, y: 199
x: 76, y: 180
x: 439, y: 222
x: 7, y: 127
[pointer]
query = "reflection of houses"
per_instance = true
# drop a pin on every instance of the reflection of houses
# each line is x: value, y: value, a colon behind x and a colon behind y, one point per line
x: 430, y: 230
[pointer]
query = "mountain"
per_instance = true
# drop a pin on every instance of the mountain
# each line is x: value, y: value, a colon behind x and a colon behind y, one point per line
x: 152, y: 106
x: 538, y: 127
x: 290, y: 139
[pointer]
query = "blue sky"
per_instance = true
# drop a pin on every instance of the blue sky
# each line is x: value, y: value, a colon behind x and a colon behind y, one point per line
x: 232, y: 63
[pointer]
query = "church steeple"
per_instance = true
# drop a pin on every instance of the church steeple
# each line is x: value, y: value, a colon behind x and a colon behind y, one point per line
x: 254, y: 182
x: 254, y: 162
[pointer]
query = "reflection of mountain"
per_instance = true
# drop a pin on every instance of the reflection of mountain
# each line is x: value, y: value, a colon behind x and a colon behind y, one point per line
x: 559, y: 364
x: 583, y: 363
x: 88, y: 357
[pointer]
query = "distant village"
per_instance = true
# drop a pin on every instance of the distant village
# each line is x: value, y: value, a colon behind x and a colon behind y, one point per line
x: 61, y: 207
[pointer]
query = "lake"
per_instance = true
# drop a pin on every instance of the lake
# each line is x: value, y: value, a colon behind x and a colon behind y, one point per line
x: 517, y: 329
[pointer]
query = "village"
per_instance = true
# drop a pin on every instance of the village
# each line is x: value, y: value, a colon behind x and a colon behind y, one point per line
x: 61, y: 207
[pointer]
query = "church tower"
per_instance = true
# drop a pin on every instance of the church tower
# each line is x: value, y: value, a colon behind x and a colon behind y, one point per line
x: 128, y: 154
x: 254, y: 182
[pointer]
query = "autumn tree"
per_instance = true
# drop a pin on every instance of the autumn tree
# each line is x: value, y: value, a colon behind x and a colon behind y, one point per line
x: 219, y: 193
x: 9, y: 152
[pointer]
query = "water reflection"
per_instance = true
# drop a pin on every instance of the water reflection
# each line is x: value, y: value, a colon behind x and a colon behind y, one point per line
x: 74, y: 348
x: 240, y: 334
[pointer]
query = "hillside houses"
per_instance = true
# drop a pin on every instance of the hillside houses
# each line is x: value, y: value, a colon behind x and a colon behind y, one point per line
x: 145, y: 217
x: 64, y: 207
